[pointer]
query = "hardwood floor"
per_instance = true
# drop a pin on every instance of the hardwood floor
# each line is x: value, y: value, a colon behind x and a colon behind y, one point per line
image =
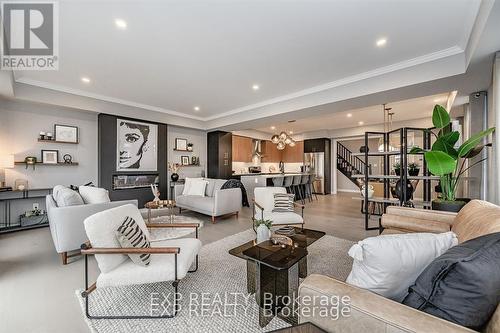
x: 35, y: 285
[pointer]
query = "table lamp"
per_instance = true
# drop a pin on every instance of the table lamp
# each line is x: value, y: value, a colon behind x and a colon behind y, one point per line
x: 6, y: 162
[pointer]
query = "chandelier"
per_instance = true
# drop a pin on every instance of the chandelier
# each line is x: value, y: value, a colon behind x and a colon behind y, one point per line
x: 282, y: 139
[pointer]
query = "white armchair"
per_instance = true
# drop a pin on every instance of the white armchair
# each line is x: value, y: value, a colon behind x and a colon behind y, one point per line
x: 66, y: 224
x: 263, y: 204
x: 170, y: 259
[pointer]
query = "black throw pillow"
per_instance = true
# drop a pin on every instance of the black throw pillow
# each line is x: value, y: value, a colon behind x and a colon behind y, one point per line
x: 462, y: 285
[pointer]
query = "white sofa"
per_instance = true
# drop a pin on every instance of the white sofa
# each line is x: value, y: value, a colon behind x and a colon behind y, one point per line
x: 216, y: 202
x: 66, y: 223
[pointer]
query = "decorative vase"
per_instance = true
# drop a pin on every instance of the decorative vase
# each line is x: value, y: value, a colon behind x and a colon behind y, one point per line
x: 364, y: 149
x: 408, y: 189
x: 174, y: 176
x: 370, y: 191
x: 263, y: 233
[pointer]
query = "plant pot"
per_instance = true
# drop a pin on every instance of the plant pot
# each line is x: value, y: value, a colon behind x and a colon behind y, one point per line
x: 449, y: 206
x: 397, y: 172
x: 174, y: 177
x: 413, y: 172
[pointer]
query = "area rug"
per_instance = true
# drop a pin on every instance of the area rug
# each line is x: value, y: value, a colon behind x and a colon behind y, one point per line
x: 167, y: 233
x: 220, y: 274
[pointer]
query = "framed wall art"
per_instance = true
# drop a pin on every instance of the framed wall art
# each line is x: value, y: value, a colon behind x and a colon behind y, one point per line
x: 66, y: 133
x: 136, y: 146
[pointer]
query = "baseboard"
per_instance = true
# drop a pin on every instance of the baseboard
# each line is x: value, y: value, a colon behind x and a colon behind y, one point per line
x: 347, y: 190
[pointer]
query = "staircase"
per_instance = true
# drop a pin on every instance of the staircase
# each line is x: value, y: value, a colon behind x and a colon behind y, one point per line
x: 349, y: 164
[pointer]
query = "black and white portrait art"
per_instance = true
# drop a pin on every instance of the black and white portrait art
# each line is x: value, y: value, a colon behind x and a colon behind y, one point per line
x: 136, y: 146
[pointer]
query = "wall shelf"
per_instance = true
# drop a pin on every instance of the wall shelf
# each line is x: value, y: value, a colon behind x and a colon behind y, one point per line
x: 54, y: 141
x: 48, y: 164
x: 183, y: 150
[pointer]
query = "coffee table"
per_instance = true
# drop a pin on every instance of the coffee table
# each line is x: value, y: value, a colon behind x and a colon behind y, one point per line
x: 161, y: 204
x: 273, y: 273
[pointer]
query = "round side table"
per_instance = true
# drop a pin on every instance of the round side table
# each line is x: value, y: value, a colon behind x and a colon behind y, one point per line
x: 161, y: 204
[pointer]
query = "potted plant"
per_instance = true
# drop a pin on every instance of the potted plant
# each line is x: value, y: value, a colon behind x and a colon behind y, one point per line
x: 174, y: 168
x: 263, y: 230
x: 448, y: 163
x: 413, y: 169
x: 397, y: 168
x: 190, y: 147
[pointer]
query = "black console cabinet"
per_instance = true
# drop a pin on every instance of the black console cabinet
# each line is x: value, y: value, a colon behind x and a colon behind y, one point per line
x: 219, y: 150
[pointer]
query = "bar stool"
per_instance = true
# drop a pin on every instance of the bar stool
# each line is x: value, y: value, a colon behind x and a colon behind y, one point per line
x: 310, y: 184
x: 303, y: 184
x: 287, y: 183
x: 278, y: 181
x: 296, y: 187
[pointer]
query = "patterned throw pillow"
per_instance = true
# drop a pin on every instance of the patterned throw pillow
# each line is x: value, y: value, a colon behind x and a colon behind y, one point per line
x: 283, y: 202
x: 129, y: 234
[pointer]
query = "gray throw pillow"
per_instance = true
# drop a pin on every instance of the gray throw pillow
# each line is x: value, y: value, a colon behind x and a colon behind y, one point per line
x: 462, y: 285
x: 129, y: 234
x: 64, y: 196
x: 283, y: 202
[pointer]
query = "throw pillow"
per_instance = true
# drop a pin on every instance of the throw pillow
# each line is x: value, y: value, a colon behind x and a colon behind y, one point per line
x: 389, y: 264
x: 130, y: 235
x: 462, y: 285
x: 187, y: 185
x: 66, y: 197
x: 196, y: 187
x: 94, y: 195
x: 283, y: 202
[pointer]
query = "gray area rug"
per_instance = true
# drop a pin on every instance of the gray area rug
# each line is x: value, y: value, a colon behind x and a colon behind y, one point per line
x: 219, y: 273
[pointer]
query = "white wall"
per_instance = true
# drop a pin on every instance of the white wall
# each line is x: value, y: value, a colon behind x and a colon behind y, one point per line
x: 199, y: 140
x: 20, y: 124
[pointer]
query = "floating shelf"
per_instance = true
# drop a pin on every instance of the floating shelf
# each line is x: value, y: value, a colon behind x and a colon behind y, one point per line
x: 48, y: 164
x: 385, y: 153
x: 54, y: 141
x: 396, y: 177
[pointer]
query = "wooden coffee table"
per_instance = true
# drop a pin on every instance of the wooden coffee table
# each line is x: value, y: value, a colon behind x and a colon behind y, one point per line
x: 273, y: 273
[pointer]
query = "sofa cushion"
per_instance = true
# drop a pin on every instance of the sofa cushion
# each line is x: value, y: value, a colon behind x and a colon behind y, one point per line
x: 101, y: 228
x: 475, y: 219
x: 64, y: 196
x: 205, y: 204
x: 218, y: 185
x: 187, y: 185
x: 281, y: 218
x: 160, y: 269
x: 130, y: 235
x: 94, y: 195
x: 462, y: 285
x: 196, y: 187
x: 389, y: 264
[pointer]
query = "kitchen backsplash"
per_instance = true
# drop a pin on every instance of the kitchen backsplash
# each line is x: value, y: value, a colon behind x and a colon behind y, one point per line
x: 242, y: 167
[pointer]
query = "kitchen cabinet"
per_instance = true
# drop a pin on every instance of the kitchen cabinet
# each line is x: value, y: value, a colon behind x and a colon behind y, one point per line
x: 219, y: 154
x: 270, y: 154
x: 241, y: 149
x: 294, y: 154
x: 315, y: 145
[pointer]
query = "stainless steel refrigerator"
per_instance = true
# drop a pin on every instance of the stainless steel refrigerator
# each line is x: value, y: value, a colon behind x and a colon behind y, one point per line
x: 315, y: 163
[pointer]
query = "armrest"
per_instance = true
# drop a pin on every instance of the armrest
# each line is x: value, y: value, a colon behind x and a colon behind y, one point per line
x: 178, y: 189
x: 257, y: 205
x: 412, y: 224
x: 172, y: 225
x: 366, y: 311
x: 423, y: 214
x: 227, y: 201
x: 127, y: 250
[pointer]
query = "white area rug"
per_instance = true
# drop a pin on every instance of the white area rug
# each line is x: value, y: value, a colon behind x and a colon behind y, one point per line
x: 219, y: 273
x: 167, y: 233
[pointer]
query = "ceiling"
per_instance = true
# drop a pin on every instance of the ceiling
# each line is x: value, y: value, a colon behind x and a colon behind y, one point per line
x: 175, y: 55
x: 416, y: 108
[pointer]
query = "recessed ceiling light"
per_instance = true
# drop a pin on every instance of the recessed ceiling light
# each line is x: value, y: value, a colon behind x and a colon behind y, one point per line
x: 196, y: 108
x: 291, y: 132
x: 273, y: 127
x: 85, y: 80
x: 349, y: 115
x: 255, y: 87
x: 381, y: 42
x: 361, y: 123
x: 121, y: 23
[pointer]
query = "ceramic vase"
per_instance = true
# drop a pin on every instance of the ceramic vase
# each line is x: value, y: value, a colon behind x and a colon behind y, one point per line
x: 263, y: 233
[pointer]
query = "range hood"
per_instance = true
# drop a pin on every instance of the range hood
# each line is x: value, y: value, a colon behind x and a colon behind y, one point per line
x: 256, y: 151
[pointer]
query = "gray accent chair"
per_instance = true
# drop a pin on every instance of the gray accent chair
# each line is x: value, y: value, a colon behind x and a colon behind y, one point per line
x: 215, y: 203
x: 66, y: 223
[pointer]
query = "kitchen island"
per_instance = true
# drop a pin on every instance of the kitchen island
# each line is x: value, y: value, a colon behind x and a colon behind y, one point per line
x: 251, y: 181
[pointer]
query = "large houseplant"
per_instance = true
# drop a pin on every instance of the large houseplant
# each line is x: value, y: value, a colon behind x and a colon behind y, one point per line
x: 447, y: 162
